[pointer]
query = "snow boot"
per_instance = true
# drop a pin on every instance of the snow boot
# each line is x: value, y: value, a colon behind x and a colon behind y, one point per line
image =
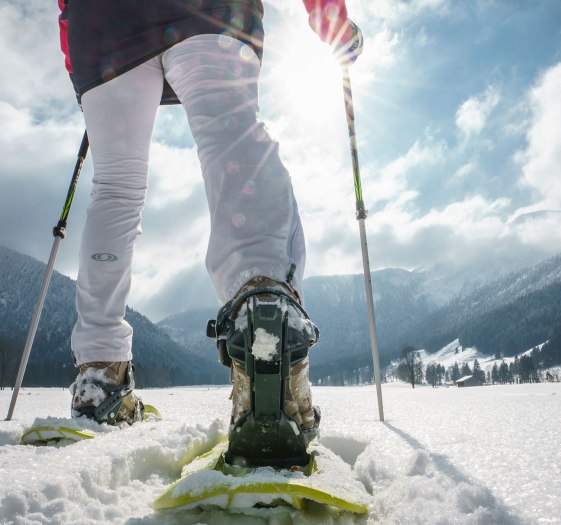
x: 264, y: 335
x: 104, y: 391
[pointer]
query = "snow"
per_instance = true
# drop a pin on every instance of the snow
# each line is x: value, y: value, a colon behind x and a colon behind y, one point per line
x: 264, y: 345
x: 454, y: 352
x: 295, y: 318
x: 447, y: 355
x: 485, y: 455
x: 464, y: 378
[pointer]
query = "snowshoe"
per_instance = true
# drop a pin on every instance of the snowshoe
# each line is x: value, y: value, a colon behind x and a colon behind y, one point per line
x: 264, y: 334
x: 210, y: 482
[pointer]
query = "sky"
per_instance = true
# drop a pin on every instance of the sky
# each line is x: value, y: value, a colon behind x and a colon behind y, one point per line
x: 457, y: 117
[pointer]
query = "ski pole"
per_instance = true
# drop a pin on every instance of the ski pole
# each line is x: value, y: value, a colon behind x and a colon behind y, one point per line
x: 361, y: 215
x: 59, y: 232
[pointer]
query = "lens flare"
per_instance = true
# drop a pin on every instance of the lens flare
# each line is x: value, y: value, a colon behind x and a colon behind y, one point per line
x: 249, y: 188
x: 238, y: 220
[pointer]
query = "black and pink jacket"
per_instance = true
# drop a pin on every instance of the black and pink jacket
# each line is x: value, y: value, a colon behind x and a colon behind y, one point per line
x: 102, y: 39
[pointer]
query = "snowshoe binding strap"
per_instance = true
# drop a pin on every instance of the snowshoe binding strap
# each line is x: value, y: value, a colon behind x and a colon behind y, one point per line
x: 224, y: 325
x: 108, y: 410
x: 265, y: 346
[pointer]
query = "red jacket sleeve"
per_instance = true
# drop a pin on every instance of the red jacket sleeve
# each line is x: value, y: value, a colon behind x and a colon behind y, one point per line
x: 328, y: 18
x: 63, y: 24
x: 323, y: 6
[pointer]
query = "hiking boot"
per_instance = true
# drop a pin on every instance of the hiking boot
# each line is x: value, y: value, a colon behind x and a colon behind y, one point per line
x: 104, y: 391
x: 297, y: 390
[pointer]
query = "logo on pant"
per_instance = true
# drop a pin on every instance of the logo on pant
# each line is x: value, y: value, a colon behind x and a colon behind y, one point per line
x: 104, y: 257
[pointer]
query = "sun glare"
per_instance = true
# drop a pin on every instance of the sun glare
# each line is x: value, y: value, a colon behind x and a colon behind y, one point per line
x: 306, y: 79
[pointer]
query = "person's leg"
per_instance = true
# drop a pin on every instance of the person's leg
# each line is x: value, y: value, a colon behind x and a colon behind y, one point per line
x: 119, y: 118
x: 255, y: 226
x: 256, y: 235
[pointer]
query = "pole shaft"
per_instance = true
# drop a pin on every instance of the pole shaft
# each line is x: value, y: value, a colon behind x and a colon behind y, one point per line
x: 34, y: 324
x: 371, y: 318
x: 361, y: 215
x: 59, y: 232
x: 350, y: 114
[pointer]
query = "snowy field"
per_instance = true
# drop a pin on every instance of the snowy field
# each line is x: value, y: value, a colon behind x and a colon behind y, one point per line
x: 488, y: 455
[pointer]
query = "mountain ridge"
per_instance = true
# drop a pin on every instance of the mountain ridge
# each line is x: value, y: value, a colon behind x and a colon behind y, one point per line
x: 159, y: 361
x: 504, y: 316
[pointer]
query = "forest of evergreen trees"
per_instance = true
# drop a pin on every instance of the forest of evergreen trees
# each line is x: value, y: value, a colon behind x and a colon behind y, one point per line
x: 50, y: 369
x: 530, y: 368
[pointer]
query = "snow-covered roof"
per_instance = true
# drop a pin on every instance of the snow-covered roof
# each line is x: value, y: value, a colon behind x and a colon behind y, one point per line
x: 464, y: 378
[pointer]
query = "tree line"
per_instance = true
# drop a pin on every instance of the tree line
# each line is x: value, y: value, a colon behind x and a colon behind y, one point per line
x: 529, y: 368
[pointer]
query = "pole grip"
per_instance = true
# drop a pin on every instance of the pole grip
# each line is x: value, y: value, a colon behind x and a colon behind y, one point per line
x: 60, y: 229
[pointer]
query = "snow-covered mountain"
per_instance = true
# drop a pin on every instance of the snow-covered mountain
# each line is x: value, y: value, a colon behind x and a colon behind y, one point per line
x: 455, y: 354
x: 425, y: 309
x: 189, y: 330
x: 452, y: 353
x: 506, y: 316
x: 50, y: 363
x: 337, y: 305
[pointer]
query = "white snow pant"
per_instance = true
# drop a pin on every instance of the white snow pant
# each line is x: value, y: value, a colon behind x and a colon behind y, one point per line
x: 255, y: 226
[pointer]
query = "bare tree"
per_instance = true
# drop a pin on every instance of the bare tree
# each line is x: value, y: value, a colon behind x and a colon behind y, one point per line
x: 411, y: 362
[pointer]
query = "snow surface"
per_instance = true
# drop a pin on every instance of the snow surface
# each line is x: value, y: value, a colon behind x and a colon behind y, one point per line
x: 485, y: 455
x: 264, y: 345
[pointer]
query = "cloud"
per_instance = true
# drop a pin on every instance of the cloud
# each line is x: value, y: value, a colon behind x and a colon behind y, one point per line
x: 187, y: 288
x: 174, y: 174
x: 40, y: 131
x: 400, y: 11
x: 538, y: 224
x: 417, y: 219
x: 448, y: 235
x: 392, y: 183
x: 472, y: 115
x: 465, y: 170
x: 24, y: 139
x: 539, y: 229
x: 541, y: 161
x: 32, y: 64
x: 38, y: 158
x: 379, y: 53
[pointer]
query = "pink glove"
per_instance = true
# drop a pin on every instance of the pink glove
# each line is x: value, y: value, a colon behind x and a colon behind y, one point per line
x: 328, y: 18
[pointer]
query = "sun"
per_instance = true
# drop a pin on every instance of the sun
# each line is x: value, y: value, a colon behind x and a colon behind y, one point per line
x: 306, y: 78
